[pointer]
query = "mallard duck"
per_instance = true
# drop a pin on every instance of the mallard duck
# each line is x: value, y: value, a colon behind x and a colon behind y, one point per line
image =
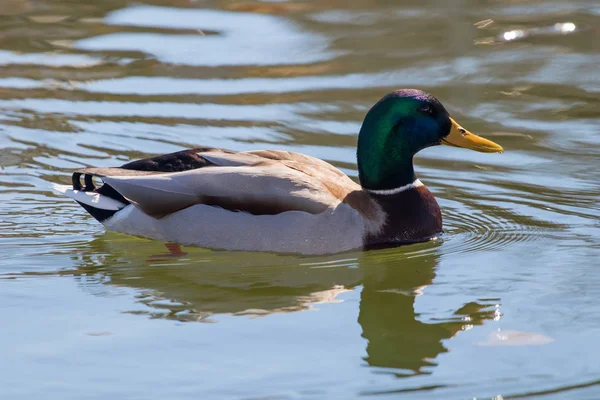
x: 281, y: 201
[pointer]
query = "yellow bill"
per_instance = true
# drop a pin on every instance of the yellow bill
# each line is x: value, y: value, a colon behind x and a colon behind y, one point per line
x: 460, y: 137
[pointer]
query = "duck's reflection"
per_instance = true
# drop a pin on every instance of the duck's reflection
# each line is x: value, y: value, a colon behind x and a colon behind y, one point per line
x: 203, y: 284
x: 397, y: 337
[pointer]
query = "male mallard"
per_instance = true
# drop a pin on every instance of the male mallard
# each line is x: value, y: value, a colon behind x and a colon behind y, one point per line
x: 280, y: 201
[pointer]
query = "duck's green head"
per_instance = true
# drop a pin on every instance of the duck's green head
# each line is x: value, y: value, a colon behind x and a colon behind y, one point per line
x: 397, y: 127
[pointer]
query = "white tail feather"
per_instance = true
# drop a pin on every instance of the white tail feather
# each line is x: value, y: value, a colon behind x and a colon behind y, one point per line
x: 95, y: 200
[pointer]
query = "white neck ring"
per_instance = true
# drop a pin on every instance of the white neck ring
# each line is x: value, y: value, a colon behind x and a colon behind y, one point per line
x: 417, y: 183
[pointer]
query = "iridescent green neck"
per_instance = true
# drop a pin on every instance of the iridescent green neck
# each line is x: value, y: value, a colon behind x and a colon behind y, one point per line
x: 393, y: 131
x: 381, y: 165
x: 385, y: 159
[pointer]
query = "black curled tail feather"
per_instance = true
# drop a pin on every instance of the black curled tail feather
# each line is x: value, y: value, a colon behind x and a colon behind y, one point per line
x: 104, y: 190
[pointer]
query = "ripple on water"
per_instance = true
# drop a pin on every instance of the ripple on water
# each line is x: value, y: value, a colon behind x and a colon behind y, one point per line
x: 479, y: 231
x: 250, y: 39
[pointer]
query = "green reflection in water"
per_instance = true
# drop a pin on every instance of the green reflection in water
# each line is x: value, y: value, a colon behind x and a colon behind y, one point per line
x: 202, y: 284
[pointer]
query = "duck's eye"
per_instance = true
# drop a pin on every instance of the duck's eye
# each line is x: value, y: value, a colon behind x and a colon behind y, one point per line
x: 426, y: 109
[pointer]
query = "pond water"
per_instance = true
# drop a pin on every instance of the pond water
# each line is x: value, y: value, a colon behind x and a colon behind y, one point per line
x: 504, y: 305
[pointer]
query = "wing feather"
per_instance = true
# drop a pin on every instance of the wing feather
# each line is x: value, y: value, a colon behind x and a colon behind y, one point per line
x: 243, y: 188
x: 260, y: 182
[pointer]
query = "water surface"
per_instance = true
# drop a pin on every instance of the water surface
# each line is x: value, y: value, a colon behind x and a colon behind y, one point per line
x: 504, y: 305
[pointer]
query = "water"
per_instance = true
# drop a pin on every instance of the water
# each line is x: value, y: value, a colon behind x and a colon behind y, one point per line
x: 504, y: 305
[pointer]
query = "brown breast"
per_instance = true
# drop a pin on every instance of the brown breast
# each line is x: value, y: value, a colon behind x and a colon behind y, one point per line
x: 412, y: 216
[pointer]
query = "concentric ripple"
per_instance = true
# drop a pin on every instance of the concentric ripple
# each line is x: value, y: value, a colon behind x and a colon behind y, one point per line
x: 472, y: 232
